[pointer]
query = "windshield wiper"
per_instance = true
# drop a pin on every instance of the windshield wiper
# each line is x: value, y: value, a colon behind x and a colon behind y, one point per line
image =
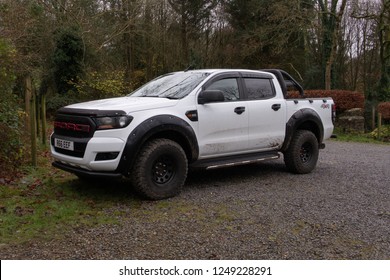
x: 159, y: 96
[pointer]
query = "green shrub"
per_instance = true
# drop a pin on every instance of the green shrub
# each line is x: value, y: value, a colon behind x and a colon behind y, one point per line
x: 67, y: 58
x: 12, y: 148
x: 94, y: 86
x: 384, y: 133
x: 102, y: 85
x: 57, y: 101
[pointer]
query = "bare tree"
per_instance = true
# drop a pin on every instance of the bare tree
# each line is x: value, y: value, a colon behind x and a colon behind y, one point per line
x: 331, y: 18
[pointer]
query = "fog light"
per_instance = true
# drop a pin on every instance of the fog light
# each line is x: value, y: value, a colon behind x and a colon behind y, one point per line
x: 106, y: 156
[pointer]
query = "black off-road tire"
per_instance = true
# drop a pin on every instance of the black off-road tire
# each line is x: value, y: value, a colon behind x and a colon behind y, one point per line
x: 160, y: 169
x: 302, y: 155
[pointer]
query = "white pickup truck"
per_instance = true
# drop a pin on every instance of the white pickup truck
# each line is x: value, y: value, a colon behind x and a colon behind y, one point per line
x: 201, y: 118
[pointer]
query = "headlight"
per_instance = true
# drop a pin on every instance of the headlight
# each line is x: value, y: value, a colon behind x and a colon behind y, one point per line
x: 112, y: 122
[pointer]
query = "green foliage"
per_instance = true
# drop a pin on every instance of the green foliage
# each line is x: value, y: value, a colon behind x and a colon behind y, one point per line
x: 94, y: 86
x: 382, y: 134
x: 11, y: 128
x: 384, y: 86
x: 7, y: 76
x: 102, y: 85
x: 47, y: 202
x: 67, y: 58
x: 157, y: 37
x: 57, y: 101
x: 359, y: 138
x: 268, y: 34
x: 12, y: 148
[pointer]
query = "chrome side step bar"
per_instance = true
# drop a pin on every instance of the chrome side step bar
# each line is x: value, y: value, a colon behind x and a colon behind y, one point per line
x: 235, y: 160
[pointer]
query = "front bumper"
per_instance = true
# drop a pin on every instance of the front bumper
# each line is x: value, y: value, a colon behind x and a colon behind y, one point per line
x: 89, y: 161
x: 85, y: 173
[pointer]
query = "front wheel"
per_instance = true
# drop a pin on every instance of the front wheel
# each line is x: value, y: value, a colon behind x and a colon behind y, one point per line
x: 302, y: 155
x: 160, y: 170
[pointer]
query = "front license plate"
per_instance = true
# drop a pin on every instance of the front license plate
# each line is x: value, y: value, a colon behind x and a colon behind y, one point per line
x: 64, y: 144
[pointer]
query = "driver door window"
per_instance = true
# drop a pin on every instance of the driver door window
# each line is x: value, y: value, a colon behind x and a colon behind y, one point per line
x: 228, y: 86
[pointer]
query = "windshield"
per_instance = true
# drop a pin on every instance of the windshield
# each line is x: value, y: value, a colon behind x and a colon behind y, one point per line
x: 172, y: 86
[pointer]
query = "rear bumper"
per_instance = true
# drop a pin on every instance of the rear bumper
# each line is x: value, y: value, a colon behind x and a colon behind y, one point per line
x: 84, y: 172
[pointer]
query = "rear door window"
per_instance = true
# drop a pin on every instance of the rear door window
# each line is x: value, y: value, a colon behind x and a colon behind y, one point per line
x: 259, y: 88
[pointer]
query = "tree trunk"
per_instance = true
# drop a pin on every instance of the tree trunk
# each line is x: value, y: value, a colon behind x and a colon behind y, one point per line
x: 184, y: 44
x: 384, y: 41
x: 333, y: 51
x: 43, y: 118
x: 148, y: 44
x: 128, y: 39
x: 33, y: 132
x: 27, y: 98
x: 38, y: 112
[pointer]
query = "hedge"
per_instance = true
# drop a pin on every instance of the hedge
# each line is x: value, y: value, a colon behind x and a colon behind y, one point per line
x: 384, y: 109
x: 344, y: 99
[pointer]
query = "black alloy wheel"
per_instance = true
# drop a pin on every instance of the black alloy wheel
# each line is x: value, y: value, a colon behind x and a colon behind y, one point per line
x: 160, y: 169
x: 302, y: 155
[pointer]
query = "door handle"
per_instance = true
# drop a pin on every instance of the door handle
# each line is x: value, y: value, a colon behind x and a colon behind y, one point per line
x: 276, y: 107
x: 239, y: 110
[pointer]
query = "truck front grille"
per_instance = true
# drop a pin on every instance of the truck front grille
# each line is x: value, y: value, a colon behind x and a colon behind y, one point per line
x: 78, y: 129
x: 74, y: 126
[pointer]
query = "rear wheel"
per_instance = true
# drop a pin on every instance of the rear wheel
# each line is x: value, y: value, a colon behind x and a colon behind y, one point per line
x: 302, y: 155
x: 160, y: 170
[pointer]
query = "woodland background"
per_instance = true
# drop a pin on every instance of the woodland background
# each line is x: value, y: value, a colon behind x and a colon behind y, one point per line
x: 57, y: 52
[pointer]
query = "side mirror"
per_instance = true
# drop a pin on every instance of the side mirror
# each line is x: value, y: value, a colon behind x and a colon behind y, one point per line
x: 210, y: 96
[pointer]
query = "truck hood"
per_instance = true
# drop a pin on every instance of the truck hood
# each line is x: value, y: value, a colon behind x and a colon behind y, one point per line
x: 127, y: 104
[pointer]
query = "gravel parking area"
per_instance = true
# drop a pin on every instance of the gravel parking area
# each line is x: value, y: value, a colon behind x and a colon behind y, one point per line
x: 340, y: 211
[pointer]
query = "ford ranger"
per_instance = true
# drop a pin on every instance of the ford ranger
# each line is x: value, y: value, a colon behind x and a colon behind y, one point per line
x: 198, y: 118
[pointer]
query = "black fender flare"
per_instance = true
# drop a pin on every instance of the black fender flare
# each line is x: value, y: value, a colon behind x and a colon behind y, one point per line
x: 303, y: 119
x: 167, y: 126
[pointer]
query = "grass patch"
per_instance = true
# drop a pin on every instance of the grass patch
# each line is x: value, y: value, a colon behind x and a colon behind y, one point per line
x: 47, y: 202
x: 360, y: 138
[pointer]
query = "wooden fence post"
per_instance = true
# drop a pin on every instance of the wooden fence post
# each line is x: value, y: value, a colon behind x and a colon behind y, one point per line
x: 38, y: 114
x: 43, y: 117
x: 379, y: 125
x: 33, y: 130
x: 27, y: 99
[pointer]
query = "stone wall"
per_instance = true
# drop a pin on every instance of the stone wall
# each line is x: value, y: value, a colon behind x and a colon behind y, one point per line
x: 351, y: 121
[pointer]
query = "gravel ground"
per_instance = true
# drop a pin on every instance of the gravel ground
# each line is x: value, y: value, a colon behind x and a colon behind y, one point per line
x: 340, y: 211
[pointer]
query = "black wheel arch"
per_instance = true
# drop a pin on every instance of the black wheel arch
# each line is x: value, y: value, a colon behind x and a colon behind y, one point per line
x: 304, y: 119
x: 161, y: 126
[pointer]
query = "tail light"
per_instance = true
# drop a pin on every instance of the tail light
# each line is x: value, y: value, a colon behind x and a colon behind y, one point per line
x: 333, y: 113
